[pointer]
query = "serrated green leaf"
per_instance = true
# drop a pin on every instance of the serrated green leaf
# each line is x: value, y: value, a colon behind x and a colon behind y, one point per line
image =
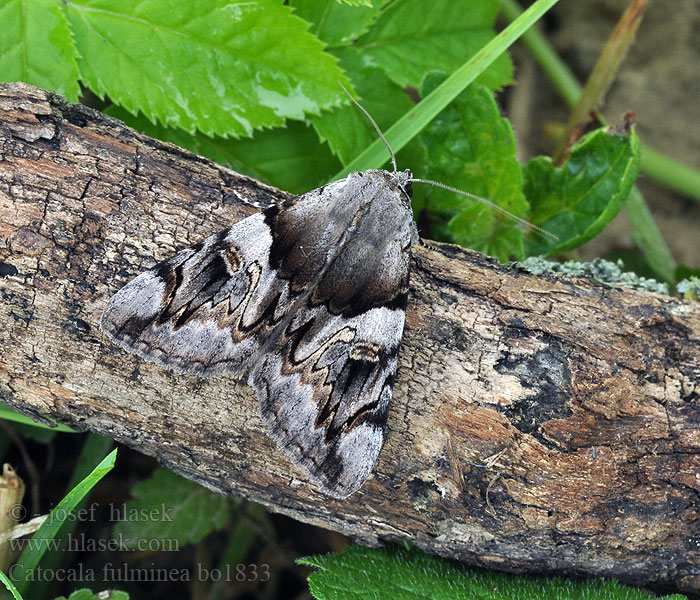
x: 577, y: 200
x: 334, y: 23
x: 36, y: 46
x: 471, y: 147
x: 504, y: 242
x: 222, y: 67
x: 346, y: 128
x: 370, y: 574
x: 412, y: 38
x: 86, y: 594
x: 290, y: 158
x: 169, y: 510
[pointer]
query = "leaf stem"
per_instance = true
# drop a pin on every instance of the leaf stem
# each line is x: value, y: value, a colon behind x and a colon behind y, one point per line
x: 678, y: 176
x: 604, y: 71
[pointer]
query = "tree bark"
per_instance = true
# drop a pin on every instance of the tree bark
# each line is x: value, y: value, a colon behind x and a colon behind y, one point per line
x: 544, y: 424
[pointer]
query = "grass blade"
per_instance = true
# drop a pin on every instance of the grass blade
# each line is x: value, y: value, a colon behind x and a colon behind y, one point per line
x: 93, y: 448
x: 648, y: 238
x: 32, y: 554
x: 10, y: 415
x: 10, y: 586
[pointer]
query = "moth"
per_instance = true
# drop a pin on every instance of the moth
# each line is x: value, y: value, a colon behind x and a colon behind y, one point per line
x: 307, y: 299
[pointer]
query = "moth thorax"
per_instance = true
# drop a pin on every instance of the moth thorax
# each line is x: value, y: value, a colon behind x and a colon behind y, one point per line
x: 403, y: 178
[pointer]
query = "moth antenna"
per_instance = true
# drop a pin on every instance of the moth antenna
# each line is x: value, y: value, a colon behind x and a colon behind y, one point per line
x: 379, y: 131
x: 497, y: 208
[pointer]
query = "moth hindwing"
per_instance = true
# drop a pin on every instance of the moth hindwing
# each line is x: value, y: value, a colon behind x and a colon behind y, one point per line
x: 308, y: 298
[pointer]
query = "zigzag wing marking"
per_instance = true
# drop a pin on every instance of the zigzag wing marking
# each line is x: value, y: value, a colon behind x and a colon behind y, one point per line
x: 325, y: 396
x: 205, y: 309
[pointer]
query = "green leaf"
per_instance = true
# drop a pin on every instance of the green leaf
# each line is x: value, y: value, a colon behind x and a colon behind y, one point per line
x: 346, y: 128
x: 222, y: 67
x: 577, y: 200
x: 471, y: 147
x: 648, y: 238
x: 94, y: 447
x: 7, y: 413
x: 86, y: 594
x: 368, y: 574
x: 32, y: 554
x: 412, y: 38
x: 168, y: 512
x: 290, y: 158
x: 334, y: 23
x: 36, y: 46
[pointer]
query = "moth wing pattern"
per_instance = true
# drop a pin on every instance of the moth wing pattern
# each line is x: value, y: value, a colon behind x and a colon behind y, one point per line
x: 309, y: 297
x: 202, y: 310
x: 325, y: 393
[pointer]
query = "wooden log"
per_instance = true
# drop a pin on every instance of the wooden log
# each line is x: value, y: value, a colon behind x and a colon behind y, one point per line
x: 543, y: 424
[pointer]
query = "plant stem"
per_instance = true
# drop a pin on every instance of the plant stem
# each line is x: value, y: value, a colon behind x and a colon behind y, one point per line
x: 605, y: 70
x: 674, y: 174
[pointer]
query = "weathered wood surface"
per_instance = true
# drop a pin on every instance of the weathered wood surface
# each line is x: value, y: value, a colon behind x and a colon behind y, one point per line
x: 540, y: 424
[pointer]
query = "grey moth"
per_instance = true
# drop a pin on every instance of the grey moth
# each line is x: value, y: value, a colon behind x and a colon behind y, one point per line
x: 306, y: 300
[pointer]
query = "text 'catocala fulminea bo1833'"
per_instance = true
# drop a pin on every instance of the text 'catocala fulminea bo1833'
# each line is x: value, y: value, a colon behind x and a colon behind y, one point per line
x: 308, y: 298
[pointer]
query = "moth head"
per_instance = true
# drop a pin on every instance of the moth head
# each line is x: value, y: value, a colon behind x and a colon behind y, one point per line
x: 404, y: 178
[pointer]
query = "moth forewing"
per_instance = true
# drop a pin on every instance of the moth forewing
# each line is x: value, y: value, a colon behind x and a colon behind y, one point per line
x: 187, y: 312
